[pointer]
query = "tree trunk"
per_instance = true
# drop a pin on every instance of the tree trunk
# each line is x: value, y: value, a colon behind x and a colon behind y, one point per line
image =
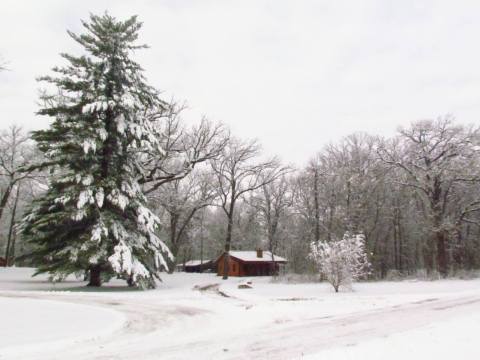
x: 201, y: 241
x: 226, y: 257
x: 428, y: 257
x: 5, y: 197
x: 95, y: 278
x: 173, y: 263
x: 273, y: 266
x: 10, y: 242
x: 272, y: 243
x: 395, y: 240
x: 174, y: 244
x: 317, y: 206
x: 440, y: 236
x: 228, y: 240
x: 400, y: 242
x: 441, y: 253
x: 12, y: 250
x: 330, y: 219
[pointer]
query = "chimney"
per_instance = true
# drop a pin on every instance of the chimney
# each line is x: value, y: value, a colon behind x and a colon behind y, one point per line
x: 259, y: 253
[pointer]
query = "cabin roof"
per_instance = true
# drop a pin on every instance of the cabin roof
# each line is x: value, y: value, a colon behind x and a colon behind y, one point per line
x: 196, y: 262
x: 251, y: 256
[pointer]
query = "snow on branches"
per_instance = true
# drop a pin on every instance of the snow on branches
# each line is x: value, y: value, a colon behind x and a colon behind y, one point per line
x: 94, y: 216
x: 341, y: 261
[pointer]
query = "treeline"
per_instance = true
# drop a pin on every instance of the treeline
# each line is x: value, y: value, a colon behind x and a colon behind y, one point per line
x: 415, y: 197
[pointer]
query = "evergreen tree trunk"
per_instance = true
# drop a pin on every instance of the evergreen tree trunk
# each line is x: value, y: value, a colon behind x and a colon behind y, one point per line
x: 95, y: 276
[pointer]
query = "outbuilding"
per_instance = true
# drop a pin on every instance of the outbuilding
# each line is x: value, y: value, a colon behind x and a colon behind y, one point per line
x: 250, y: 263
x: 198, y: 266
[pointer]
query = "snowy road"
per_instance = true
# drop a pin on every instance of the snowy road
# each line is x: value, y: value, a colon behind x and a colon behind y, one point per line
x: 180, y: 323
x: 143, y: 335
x: 339, y: 331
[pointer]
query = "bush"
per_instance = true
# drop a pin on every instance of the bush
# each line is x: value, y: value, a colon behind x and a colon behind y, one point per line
x: 341, y: 261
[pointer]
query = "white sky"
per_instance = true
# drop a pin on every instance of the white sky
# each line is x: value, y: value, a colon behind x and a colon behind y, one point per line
x: 294, y: 74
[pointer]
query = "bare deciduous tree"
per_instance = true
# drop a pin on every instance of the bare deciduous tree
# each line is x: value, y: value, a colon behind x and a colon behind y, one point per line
x: 437, y: 157
x: 272, y: 201
x: 16, y: 154
x: 238, y: 172
x: 179, y: 201
x: 182, y: 148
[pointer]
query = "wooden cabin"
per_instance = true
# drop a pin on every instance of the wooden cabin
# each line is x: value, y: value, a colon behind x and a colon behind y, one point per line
x: 198, y: 266
x: 3, y: 261
x: 250, y: 263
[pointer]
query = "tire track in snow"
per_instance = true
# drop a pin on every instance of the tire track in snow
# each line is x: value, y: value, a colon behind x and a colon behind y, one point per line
x: 147, y: 333
x: 311, y: 336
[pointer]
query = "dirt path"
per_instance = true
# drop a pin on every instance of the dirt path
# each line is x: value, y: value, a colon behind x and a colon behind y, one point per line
x: 159, y: 329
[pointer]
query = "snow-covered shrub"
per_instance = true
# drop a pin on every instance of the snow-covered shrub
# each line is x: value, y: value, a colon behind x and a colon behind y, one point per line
x: 341, y: 261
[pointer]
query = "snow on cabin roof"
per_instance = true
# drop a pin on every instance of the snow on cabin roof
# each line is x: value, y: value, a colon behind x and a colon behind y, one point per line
x: 196, y: 262
x: 252, y: 256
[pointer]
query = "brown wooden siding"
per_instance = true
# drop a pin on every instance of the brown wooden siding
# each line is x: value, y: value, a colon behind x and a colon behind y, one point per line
x: 235, y: 267
x: 240, y: 268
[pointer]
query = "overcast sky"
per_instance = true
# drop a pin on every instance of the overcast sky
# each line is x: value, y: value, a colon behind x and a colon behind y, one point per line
x: 295, y: 74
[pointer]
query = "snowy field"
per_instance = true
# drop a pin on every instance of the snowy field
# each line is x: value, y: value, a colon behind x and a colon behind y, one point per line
x: 393, y: 320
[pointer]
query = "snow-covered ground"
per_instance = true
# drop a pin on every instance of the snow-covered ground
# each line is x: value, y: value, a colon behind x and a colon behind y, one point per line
x: 394, y: 320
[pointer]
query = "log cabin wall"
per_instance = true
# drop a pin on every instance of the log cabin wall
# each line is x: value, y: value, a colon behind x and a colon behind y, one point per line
x: 235, y: 268
x: 240, y: 268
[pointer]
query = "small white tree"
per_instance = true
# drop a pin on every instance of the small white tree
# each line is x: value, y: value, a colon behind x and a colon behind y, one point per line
x: 341, y: 261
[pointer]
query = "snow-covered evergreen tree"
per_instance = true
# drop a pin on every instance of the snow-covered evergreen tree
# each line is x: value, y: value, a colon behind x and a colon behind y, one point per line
x: 341, y: 261
x: 94, y: 215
